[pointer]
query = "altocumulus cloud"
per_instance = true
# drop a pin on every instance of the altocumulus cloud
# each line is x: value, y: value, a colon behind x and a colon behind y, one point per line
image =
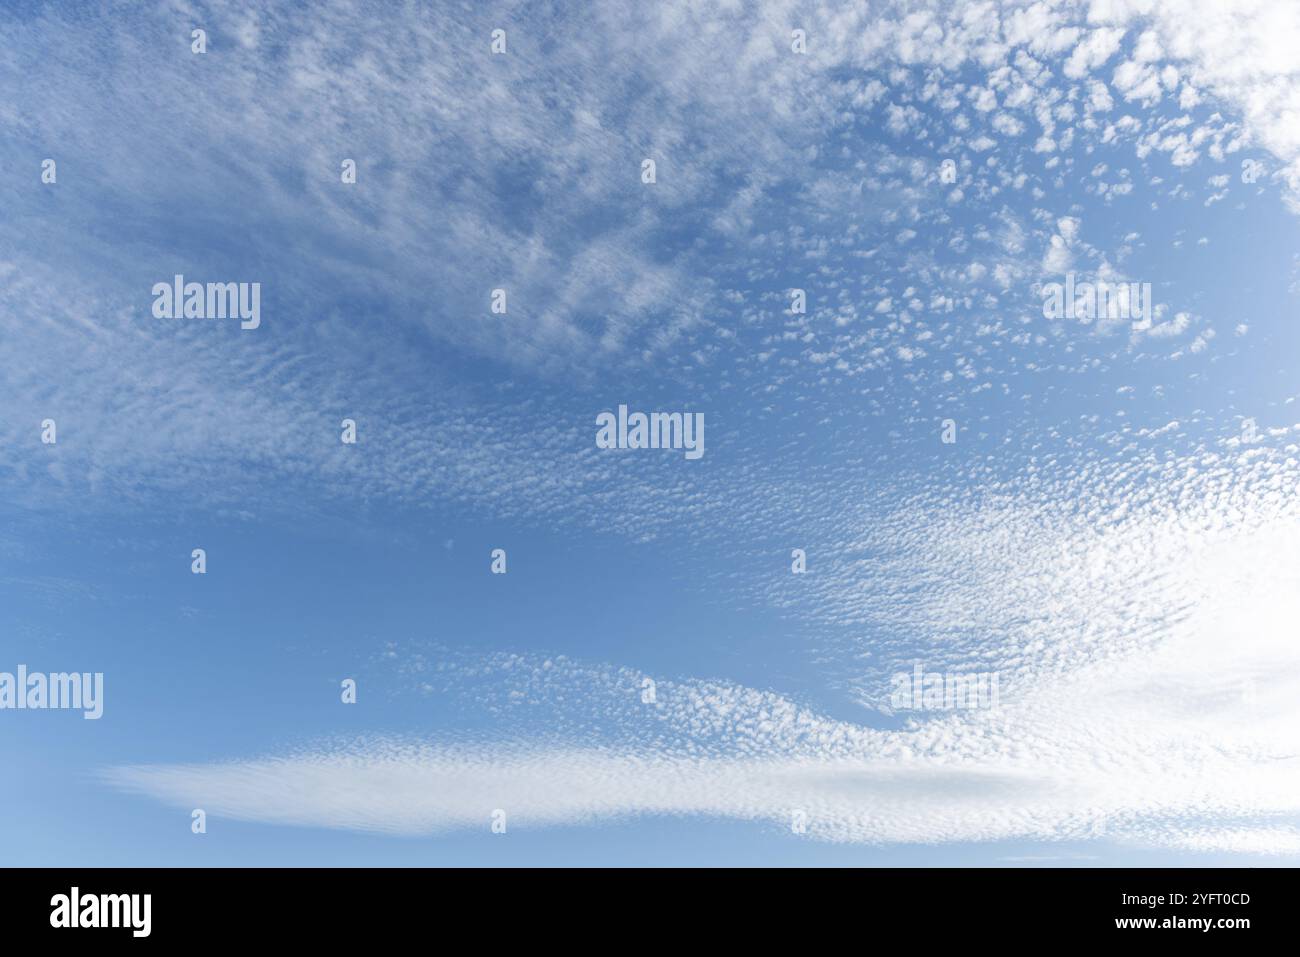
x: 1103, y: 574
x: 1127, y: 739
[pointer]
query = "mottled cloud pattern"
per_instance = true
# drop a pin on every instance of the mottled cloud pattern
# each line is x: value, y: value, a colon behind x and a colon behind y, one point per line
x: 1115, y: 532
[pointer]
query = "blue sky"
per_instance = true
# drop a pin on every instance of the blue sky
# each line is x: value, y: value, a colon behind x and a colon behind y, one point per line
x: 1113, y: 532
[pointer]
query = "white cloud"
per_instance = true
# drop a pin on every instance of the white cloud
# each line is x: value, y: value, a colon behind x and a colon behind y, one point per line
x: 1148, y: 680
x: 1093, y: 51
